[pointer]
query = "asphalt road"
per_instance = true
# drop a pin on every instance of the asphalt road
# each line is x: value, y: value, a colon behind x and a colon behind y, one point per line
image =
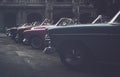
x: 17, y: 60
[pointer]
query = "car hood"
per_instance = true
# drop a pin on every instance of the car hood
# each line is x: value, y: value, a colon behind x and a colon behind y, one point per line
x: 24, y: 27
x: 42, y: 27
x: 82, y: 28
x: 82, y: 25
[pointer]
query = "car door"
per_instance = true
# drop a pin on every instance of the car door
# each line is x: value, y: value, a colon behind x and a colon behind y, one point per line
x: 104, y: 43
x: 114, y: 44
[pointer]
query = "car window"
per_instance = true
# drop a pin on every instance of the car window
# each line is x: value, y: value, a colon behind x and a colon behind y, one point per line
x: 65, y: 22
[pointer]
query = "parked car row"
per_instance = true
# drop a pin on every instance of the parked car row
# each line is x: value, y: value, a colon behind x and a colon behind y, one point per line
x: 63, y: 37
x: 33, y: 34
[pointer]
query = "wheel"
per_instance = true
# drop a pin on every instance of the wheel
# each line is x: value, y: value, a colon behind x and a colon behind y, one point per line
x: 36, y: 43
x: 74, y: 56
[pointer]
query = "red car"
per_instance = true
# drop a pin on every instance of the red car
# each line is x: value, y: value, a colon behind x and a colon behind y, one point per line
x: 36, y: 35
x: 20, y: 30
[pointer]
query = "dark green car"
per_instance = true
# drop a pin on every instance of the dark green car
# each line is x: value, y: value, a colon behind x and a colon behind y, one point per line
x: 87, y: 44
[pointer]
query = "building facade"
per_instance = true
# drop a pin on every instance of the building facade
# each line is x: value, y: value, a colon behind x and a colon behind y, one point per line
x: 13, y: 12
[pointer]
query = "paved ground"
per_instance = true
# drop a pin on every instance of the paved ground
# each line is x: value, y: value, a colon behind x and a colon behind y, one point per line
x: 17, y: 60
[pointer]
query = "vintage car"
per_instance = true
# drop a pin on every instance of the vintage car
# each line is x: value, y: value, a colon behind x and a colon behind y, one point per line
x: 36, y: 36
x: 11, y: 32
x: 99, y: 19
x: 20, y: 30
x: 85, y: 44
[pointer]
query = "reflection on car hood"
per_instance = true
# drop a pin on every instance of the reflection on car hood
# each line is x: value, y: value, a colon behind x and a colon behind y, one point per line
x: 23, y: 27
x: 83, y: 25
x: 42, y: 27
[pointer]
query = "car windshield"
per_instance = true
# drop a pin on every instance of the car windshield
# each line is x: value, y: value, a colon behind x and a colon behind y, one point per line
x: 116, y: 19
x: 46, y: 22
x: 64, y: 22
x: 101, y: 19
x: 26, y: 24
x: 36, y: 23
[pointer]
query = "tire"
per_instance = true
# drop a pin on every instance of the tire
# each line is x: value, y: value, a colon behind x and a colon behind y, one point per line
x: 74, y: 56
x: 36, y: 43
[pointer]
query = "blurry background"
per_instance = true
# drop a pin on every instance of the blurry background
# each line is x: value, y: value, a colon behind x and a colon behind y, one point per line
x: 15, y: 12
